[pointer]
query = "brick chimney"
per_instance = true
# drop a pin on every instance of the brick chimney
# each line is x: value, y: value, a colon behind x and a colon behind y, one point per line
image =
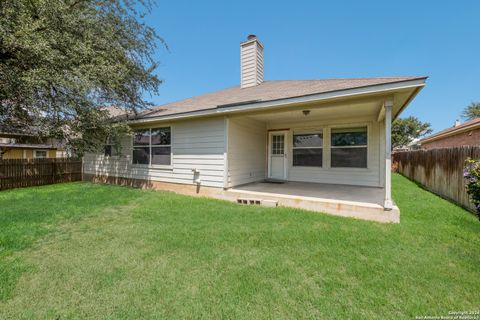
x: 251, y: 62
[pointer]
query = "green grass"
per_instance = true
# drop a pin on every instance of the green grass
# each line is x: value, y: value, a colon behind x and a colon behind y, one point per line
x: 79, y: 250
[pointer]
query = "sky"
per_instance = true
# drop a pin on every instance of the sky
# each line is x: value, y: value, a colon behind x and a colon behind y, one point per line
x: 322, y: 40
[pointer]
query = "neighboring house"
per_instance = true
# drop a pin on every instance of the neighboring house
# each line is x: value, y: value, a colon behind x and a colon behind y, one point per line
x: 465, y: 134
x: 316, y: 144
x: 22, y: 146
x: 413, y: 145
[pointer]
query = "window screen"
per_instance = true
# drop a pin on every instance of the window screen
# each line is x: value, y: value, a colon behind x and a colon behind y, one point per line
x: 152, y: 146
x: 349, y: 147
x: 307, y: 149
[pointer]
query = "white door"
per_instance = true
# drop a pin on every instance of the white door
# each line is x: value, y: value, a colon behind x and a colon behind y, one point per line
x: 277, y: 155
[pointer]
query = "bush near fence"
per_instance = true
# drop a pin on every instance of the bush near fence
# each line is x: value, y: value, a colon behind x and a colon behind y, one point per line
x: 18, y: 173
x: 438, y: 170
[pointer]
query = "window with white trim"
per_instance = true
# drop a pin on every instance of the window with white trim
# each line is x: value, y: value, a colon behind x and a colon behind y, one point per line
x: 40, y: 154
x: 349, y: 147
x: 307, y: 149
x: 152, y: 146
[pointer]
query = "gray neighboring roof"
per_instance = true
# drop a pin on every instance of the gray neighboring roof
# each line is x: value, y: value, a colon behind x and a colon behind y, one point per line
x: 27, y: 146
x: 116, y: 112
x: 266, y: 91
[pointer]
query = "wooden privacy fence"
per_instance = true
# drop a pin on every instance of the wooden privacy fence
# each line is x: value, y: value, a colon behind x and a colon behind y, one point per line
x: 17, y: 173
x: 439, y: 170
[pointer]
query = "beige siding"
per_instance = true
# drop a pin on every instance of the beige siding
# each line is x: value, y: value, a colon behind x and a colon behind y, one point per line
x: 198, y: 144
x: 370, y: 176
x: 246, y: 150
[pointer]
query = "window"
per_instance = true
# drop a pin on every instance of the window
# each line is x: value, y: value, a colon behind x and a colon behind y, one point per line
x: 278, y: 144
x: 40, y: 154
x: 307, y: 149
x: 107, y: 150
x: 349, y: 148
x: 152, y: 146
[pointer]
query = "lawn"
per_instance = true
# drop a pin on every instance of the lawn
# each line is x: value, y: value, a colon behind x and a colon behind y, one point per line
x: 80, y: 250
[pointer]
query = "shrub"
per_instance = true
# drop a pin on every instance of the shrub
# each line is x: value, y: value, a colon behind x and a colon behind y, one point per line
x: 471, y: 174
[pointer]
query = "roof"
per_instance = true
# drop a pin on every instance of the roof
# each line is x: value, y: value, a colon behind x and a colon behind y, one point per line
x: 266, y: 91
x: 27, y: 146
x: 10, y: 134
x: 469, y: 125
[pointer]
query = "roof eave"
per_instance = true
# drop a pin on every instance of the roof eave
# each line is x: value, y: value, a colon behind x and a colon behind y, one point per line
x: 28, y: 146
x: 449, y: 133
x: 416, y: 84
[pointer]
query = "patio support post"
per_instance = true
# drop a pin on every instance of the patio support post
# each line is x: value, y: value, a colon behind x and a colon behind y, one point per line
x: 388, y: 205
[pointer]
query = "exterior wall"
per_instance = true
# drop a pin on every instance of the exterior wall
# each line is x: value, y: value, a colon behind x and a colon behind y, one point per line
x: 468, y: 138
x: 370, y: 176
x: 26, y: 154
x: 196, y: 144
x: 202, y: 145
x: 13, y: 154
x: 247, y: 145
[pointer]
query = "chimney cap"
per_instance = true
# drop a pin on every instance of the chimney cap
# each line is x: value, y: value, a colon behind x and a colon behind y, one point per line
x: 251, y: 37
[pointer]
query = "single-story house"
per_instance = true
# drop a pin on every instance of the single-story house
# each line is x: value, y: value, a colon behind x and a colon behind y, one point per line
x: 321, y: 145
x: 461, y: 134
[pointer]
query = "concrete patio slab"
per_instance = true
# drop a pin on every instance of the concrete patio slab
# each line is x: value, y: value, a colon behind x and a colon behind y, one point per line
x: 349, y: 201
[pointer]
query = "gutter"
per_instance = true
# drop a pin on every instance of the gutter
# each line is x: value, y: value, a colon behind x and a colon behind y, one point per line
x: 257, y: 106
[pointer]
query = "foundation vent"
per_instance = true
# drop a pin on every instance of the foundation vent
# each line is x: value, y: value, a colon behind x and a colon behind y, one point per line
x: 258, y: 202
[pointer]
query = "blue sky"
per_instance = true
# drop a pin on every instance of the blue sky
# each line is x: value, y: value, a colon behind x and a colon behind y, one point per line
x: 325, y: 39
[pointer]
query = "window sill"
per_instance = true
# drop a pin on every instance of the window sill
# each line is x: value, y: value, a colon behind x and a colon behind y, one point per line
x: 153, y: 166
x: 334, y: 169
x: 349, y: 168
x: 313, y: 167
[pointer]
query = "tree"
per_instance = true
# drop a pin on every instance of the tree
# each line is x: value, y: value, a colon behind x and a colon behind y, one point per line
x: 471, y: 111
x: 63, y: 61
x: 405, y: 130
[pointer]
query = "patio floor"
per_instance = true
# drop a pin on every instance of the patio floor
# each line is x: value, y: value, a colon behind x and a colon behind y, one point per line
x: 352, y: 201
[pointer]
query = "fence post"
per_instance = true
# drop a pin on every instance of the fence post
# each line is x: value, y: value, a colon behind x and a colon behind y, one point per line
x: 54, y: 169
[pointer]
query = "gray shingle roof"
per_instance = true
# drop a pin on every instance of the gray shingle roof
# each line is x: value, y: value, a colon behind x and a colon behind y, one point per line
x: 266, y: 91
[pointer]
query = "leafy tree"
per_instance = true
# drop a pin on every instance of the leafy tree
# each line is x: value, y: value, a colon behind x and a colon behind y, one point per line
x: 471, y: 111
x: 63, y: 61
x: 405, y: 130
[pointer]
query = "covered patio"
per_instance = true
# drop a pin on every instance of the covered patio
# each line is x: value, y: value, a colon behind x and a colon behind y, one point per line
x: 331, y: 157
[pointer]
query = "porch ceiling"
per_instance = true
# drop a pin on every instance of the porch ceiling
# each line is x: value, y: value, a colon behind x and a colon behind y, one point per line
x: 324, y: 112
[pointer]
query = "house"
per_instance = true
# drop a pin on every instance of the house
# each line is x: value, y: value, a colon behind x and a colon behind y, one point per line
x: 321, y: 145
x: 28, y: 146
x: 412, y: 145
x: 465, y: 134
